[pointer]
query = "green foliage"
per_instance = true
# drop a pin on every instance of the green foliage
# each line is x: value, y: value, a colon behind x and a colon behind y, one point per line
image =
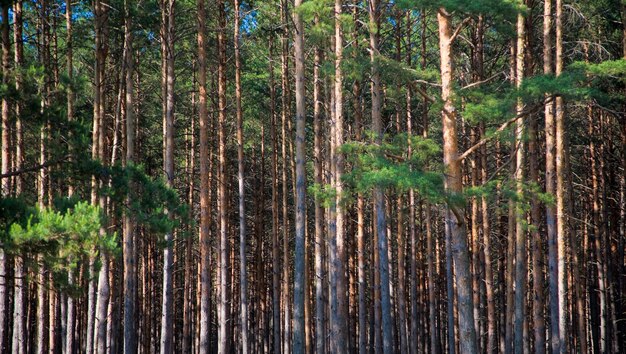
x: 389, y: 165
x: 59, y: 241
x: 323, y: 193
x: 153, y: 204
x: 13, y: 211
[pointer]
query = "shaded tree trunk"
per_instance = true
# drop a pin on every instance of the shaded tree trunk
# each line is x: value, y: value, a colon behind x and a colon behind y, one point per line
x: 379, y: 199
x: 129, y: 250
x: 167, y: 28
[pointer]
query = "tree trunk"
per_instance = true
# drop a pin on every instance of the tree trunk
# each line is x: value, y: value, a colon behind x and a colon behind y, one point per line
x: 129, y: 251
x: 224, y: 293
x: 243, y: 281
x: 539, y: 325
x: 550, y: 183
x: 299, y: 256
x: 320, y: 322
x: 285, y: 119
x: 205, y: 201
x: 338, y: 314
x: 5, y: 182
x: 167, y: 29
x: 520, y: 239
x: 561, y: 193
x: 275, y: 249
x: 379, y: 199
x: 454, y: 185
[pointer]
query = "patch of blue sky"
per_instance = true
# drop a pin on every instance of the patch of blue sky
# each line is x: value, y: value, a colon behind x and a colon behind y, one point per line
x: 249, y: 22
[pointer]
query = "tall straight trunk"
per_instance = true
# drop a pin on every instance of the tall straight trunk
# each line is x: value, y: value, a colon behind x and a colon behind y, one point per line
x: 561, y: 185
x: 338, y: 323
x: 414, y: 337
x: 243, y: 281
x: 520, y: 231
x: 224, y: 287
x: 487, y: 249
x: 275, y: 249
x: 475, y: 239
x: 189, y: 308
x: 550, y: 184
x: 537, y: 253
x: 509, y: 276
x: 102, y: 302
x: 19, y: 63
x: 320, y: 322
x: 168, y: 167
x: 379, y: 199
x: 596, y: 242
x: 285, y: 121
x: 299, y: 255
x: 129, y: 251
x: 454, y: 185
x: 205, y: 201
x: 6, y: 165
x: 360, y: 233
x: 431, y: 266
x: 71, y: 307
x: 401, y: 333
x: 450, y: 306
x: 97, y: 339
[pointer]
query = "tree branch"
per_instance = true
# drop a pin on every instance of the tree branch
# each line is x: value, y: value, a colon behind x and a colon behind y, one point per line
x: 502, y: 127
x: 458, y: 29
x: 474, y: 84
x: 34, y: 168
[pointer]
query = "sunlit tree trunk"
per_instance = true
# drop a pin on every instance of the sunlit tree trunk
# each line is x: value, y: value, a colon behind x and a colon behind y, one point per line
x: 6, y: 164
x: 561, y: 185
x: 520, y: 230
x: 454, y: 185
x: 299, y: 255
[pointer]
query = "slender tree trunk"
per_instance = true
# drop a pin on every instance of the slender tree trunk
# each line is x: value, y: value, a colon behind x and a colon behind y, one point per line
x: 5, y: 182
x: 520, y: 231
x: 71, y: 307
x: 550, y: 183
x: 360, y: 233
x: 19, y: 63
x: 337, y: 248
x: 285, y: 119
x: 205, y: 201
x: 414, y: 337
x: 129, y: 251
x: 97, y: 334
x: 168, y: 167
x: 401, y: 333
x: 42, y: 178
x: 243, y: 281
x: 320, y: 322
x: 379, y: 199
x: 454, y: 185
x: 299, y: 256
x: 539, y: 325
x: 275, y: 249
x: 561, y: 193
x: 224, y: 293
